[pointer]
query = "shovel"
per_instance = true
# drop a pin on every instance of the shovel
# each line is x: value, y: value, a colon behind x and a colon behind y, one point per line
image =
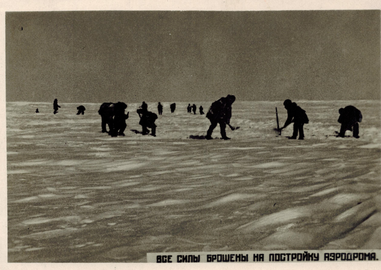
x: 233, y: 128
x: 277, y: 122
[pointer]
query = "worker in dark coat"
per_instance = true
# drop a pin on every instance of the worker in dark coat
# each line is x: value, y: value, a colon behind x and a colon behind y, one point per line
x: 106, y: 111
x: 147, y: 119
x: 119, y: 121
x: 201, y: 110
x: 173, y: 107
x: 220, y: 113
x: 194, y: 108
x: 56, y: 106
x: 160, y: 108
x: 349, y: 118
x: 296, y: 115
x: 81, y: 110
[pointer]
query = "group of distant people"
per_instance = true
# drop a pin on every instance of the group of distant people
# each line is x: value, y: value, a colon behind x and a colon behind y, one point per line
x: 219, y: 113
x: 80, y: 109
x: 113, y: 115
x: 193, y: 108
x: 160, y: 108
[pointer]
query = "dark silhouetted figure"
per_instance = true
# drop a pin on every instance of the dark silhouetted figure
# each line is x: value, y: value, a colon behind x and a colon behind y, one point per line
x: 160, y: 108
x: 194, y: 108
x: 56, y: 106
x: 201, y: 110
x: 349, y: 118
x: 147, y: 119
x: 119, y: 120
x: 144, y: 106
x: 298, y: 116
x: 81, y: 110
x: 106, y: 111
x: 37, y: 110
x: 189, y: 108
x: 220, y: 113
x: 112, y: 114
x: 173, y: 107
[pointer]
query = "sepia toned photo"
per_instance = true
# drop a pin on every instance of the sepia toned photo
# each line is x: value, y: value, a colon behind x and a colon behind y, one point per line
x: 136, y: 132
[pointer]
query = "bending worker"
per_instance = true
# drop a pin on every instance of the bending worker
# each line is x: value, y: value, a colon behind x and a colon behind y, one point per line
x: 298, y: 116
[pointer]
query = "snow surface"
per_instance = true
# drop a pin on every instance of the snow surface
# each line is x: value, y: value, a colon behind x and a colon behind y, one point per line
x: 78, y: 195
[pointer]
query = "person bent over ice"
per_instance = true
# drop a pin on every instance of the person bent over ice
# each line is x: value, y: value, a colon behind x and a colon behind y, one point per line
x: 220, y: 113
x: 147, y: 119
x: 81, y: 110
x: 298, y: 116
x: 350, y: 117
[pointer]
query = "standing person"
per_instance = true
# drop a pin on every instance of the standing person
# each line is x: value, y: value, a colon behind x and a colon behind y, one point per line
x: 350, y: 117
x: 189, y: 108
x: 173, y: 107
x: 119, y: 122
x: 201, y: 110
x: 144, y: 106
x: 194, y: 108
x: 298, y: 116
x: 220, y: 113
x: 160, y: 108
x: 142, y: 112
x: 106, y: 111
x: 56, y: 106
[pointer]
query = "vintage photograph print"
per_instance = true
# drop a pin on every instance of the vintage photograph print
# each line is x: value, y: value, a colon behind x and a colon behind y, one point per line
x: 137, y: 132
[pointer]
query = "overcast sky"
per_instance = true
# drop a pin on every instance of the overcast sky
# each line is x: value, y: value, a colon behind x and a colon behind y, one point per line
x: 171, y: 56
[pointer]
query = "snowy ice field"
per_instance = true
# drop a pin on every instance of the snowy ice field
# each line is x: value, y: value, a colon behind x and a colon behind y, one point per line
x: 78, y: 195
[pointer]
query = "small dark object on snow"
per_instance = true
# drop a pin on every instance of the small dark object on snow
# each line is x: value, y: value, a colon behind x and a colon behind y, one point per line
x: 81, y: 110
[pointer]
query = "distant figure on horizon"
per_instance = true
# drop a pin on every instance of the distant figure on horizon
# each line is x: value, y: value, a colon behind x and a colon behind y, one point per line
x: 201, y: 110
x: 81, y: 110
x: 194, y: 108
x: 144, y: 106
x: 298, y: 116
x: 173, y: 107
x: 37, y: 110
x: 189, y: 108
x: 56, y: 106
x: 220, y: 113
x: 160, y: 108
x: 349, y: 118
x: 147, y: 119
